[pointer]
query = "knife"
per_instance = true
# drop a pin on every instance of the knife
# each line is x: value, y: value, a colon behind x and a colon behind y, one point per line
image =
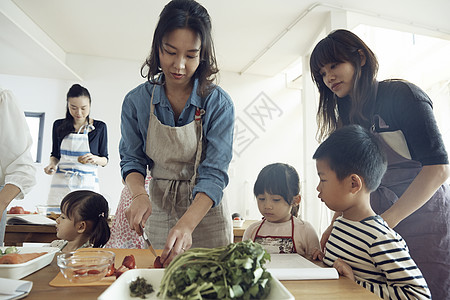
x: 147, y: 241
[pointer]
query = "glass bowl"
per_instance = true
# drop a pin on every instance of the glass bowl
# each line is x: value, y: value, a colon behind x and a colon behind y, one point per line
x: 46, y: 210
x: 85, y: 266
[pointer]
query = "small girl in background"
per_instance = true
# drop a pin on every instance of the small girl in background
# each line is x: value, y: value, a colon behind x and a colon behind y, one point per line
x: 277, y: 190
x: 83, y: 221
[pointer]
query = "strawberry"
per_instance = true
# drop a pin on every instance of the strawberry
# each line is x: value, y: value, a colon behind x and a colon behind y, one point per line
x: 120, y: 271
x: 111, y: 271
x: 80, y: 272
x: 129, y: 262
x: 158, y: 264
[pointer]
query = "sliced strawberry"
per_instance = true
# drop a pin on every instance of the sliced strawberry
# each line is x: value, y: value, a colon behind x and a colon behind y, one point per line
x: 80, y: 272
x: 122, y: 269
x: 129, y: 262
x: 111, y: 271
x: 158, y: 264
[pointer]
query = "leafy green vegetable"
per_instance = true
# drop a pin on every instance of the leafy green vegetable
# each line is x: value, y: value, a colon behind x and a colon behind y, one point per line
x: 235, y: 271
x: 8, y: 250
x: 140, y: 288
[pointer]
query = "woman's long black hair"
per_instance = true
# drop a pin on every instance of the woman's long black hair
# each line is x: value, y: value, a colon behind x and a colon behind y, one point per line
x: 344, y: 46
x: 66, y: 126
x: 92, y: 208
x: 179, y: 14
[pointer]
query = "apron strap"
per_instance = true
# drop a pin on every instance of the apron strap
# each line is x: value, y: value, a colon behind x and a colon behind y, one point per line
x: 198, y: 119
x: 294, y: 249
x: 259, y: 227
x: 85, y: 128
x: 168, y: 202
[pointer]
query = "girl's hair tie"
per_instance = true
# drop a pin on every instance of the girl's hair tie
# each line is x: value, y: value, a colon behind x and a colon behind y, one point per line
x: 101, y: 215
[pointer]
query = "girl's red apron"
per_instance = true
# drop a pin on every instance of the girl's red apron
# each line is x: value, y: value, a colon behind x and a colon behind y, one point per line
x: 72, y: 175
x: 427, y: 230
x: 176, y: 154
x: 276, y: 244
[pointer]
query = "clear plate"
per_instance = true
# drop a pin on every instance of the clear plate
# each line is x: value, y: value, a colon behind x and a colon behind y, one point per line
x: 18, y: 271
x: 120, y: 288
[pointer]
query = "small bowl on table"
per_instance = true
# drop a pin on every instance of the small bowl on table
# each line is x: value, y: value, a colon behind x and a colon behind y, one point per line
x: 85, y: 266
x: 237, y: 222
x: 48, y: 210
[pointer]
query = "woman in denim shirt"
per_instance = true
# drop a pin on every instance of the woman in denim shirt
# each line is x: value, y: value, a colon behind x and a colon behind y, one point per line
x: 179, y: 125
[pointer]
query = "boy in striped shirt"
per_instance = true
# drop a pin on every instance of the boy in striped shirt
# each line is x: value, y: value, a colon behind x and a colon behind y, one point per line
x: 361, y: 246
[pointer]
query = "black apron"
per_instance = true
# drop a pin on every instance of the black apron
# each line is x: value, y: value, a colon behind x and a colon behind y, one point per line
x: 427, y: 230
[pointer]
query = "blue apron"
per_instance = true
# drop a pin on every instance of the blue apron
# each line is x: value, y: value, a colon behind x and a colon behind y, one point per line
x: 72, y: 175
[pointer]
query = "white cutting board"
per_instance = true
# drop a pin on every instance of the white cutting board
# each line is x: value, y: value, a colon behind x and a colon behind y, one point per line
x: 296, y: 267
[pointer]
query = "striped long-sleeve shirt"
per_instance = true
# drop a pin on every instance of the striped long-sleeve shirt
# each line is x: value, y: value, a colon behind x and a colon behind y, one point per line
x: 379, y: 258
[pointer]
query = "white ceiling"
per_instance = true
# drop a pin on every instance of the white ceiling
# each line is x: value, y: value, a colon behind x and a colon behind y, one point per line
x: 251, y: 36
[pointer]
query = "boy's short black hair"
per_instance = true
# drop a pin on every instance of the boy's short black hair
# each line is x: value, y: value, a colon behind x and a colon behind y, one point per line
x: 354, y: 150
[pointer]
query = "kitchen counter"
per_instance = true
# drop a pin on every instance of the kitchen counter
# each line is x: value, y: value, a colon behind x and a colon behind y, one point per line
x: 341, y: 288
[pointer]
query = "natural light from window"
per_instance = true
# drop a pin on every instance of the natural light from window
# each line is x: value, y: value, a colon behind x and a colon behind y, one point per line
x: 423, y: 60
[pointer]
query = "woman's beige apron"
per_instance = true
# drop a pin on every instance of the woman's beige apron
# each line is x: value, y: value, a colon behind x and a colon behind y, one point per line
x: 176, y: 154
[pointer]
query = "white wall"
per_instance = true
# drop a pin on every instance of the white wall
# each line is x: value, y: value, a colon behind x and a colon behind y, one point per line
x: 38, y: 95
x: 276, y: 137
x: 107, y: 81
x: 272, y: 135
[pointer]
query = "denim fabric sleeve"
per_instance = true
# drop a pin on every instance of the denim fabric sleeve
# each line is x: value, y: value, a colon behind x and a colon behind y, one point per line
x: 134, y: 124
x: 218, y: 128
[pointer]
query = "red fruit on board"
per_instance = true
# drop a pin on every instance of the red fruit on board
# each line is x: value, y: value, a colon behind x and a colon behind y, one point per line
x: 158, y: 264
x: 122, y: 269
x: 80, y: 272
x: 111, y: 271
x: 129, y: 262
x: 16, y: 210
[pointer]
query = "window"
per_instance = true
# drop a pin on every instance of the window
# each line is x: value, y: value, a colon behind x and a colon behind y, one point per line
x: 35, y: 122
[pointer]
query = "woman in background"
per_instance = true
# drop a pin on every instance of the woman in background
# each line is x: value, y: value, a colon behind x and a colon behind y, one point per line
x: 80, y: 144
x: 413, y: 197
x: 17, y: 173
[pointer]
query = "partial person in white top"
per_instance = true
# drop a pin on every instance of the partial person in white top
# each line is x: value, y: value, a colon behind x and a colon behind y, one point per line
x: 277, y: 190
x: 17, y: 173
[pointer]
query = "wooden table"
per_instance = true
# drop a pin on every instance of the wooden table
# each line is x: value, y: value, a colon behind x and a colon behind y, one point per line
x: 342, y: 288
x: 16, y: 235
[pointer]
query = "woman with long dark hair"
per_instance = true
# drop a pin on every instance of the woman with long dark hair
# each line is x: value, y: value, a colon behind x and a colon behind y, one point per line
x: 413, y: 197
x: 180, y: 126
x: 80, y: 144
